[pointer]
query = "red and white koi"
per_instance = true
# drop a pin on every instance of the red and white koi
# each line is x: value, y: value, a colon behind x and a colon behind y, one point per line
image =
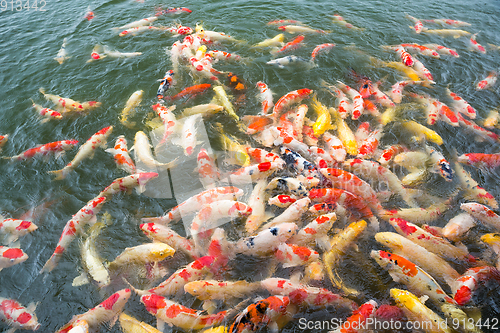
x: 488, y: 82
x: 260, y: 155
x: 290, y: 98
x: 315, y: 232
x: 396, y: 93
x: 266, y: 241
x: 422, y: 71
x: 193, y: 203
x: 291, y: 255
x: 58, y: 148
x: 469, y: 281
x: 380, y: 97
x: 221, y: 55
x: 350, y: 182
x: 389, y: 153
x: 282, y: 200
x: 461, y: 105
x: 258, y: 205
x: 301, y: 294
x: 14, y: 228
x: 192, y: 272
x: 415, y: 278
x: 207, y: 170
x: 121, y: 156
x: 128, y: 183
x: 17, y: 316
x: 481, y: 133
x: 458, y: 226
x: 46, y: 113
x: 165, y: 83
x: 321, y: 157
x: 107, y: 311
x: 292, y: 45
x: 428, y: 261
x: 421, y: 49
x: 483, y: 214
x: 139, y: 23
x: 418, y: 24
x: 343, y: 105
x: 160, y: 233
x: 321, y: 48
x: 446, y: 114
x: 472, y: 190
x: 340, y: 20
x: 293, y: 213
x: 443, y: 50
x: 137, y: 30
x: 253, y: 172
x: 331, y: 197
x: 98, y: 140
x: 357, y: 99
x: 174, y: 11
x: 368, y: 146
x: 168, y: 118
x: 65, y: 104
x: 475, y: 45
x: 406, y: 58
x: 10, y: 256
x: 180, y: 30
x: 359, y: 318
x: 265, y: 97
x: 72, y: 227
x: 334, y: 146
x: 427, y: 240
x: 480, y: 160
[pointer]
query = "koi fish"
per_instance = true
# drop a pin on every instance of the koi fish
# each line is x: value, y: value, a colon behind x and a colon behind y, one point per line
x: 89, y: 15
x: 293, y: 213
x: 415, y: 278
x: 195, y: 202
x: 223, y: 290
x: 419, y: 129
x: 461, y: 105
x: 455, y: 33
x: 292, y: 45
x: 168, y: 118
x: 174, y: 11
x: 72, y: 227
x: 258, y: 205
x: 421, y: 49
x: 291, y: 255
x: 359, y: 318
x: 165, y: 83
x: 142, y: 148
x: 288, y: 185
x: 418, y: 24
x: 472, y: 190
x: 483, y: 214
x: 442, y: 49
x: 14, y: 228
x: 468, y: 282
x: 265, y: 96
x: 441, y: 165
x: 299, y: 29
x: 343, y: 105
x: 454, y: 23
x: 203, y: 109
x: 357, y: 99
x: 340, y: 20
x: 345, y: 135
x: 221, y: 55
x: 224, y: 101
x: 288, y: 99
x: 280, y: 22
x: 266, y: 241
x: 488, y: 82
x: 481, y: 133
x: 389, y: 153
x: 86, y: 150
x: 276, y: 41
x: 137, y: 30
x: 3, y: 140
x: 58, y: 148
x: 107, y: 311
x: 422, y: 71
x: 131, y: 325
x: 252, y: 173
x: 480, y: 160
x: 458, y: 226
x: 62, y: 54
x: 475, y: 45
x: 141, y: 254
x: 406, y: 58
x: 323, y: 122
x: 46, y: 113
x: 291, y: 60
x: 139, y: 23
x: 133, y: 101
x: 160, y: 233
x: 66, y: 104
x: 321, y: 48
x: 17, y: 316
x: 416, y: 311
x: 121, y: 156
x: 10, y: 256
x: 100, y: 52
x: 127, y: 183
x: 207, y: 170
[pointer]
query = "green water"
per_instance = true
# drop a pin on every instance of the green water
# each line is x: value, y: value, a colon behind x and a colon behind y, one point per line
x: 31, y: 39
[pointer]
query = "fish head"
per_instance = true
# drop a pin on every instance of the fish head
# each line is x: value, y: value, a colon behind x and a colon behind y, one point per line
x: 197, y: 288
x: 389, y: 239
x: 160, y: 251
x: 282, y: 28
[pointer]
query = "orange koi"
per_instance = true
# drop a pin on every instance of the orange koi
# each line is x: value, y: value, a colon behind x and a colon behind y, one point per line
x: 292, y: 45
x: 190, y: 91
x: 121, y: 155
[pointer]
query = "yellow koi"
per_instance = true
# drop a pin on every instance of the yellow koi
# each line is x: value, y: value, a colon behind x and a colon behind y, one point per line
x: 276, y: 41
x: 345, y: 134
x: 419, y: 129
x: 131, y: 325
x: 323, y: 122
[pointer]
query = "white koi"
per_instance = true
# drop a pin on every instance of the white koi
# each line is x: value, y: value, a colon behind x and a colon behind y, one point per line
x: 62, y: 54
x: 133, y: 101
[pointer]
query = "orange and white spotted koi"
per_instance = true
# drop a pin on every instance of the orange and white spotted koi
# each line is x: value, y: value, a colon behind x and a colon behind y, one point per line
x: 358, y: 321
x: 17, y: 316
x: 126, y: 184
x: 282, y: 200
x: 435, y: 244
x: 322, y: 158
x: 221, y: 55
x: 396, y: 93
x: 72, y: 227
x: 292, y: 45
x: 430, y: 107
x: 265, y: 97
x: 481, y: 133
x: 208, y: 217
x: 58, y: 148
x: 290, y: 98
x: 415, y: 278
x: 321, y: 48
x: 446, y: 114
x: 422, y: 71
x: 260, y: 155
x: 207, y: 170
x: 368, y: 146
x: 331, y: 197
x: 144, y: 21
x: 86, y: 150
x: 357, y: 99
x: 62, y: 103
x: 301, y: 294
x: 483, y: 214
x: 469, y: 281
x: 421, y: 49
x: 334, y: 147
x: 121, y: 156
x: 475, y: 45
x: 453, y: 23
x: 253, y: 172
x: 380, y: 97
x: 282, y: 137
x: 315, y: 232
x: 389, y: 153
x: 291, y: 255
x: 406, y: 58
x: 443, y: 50
x: 193, y: 203
x: 46, y: 113
x: 461, y: 105
x: 105, y: 312
x: 168, y: 118
x: 418, y: 23
x: 180, y: 30
x: 14, y: 228
x: 10, y: 256
x: 344, y: 108
x: 472, y: 190
x: 188, y: 141
x: 352, y: 183
x: 192, y: 272
x: 488, y: 82
x: 160, y: 233
x: 480, y: 160
x: 266, y: 241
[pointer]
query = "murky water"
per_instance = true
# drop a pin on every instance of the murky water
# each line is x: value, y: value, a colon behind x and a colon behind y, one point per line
x: 31, y: 39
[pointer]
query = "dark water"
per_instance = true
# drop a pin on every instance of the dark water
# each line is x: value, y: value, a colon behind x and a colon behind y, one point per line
x: 31, y: 39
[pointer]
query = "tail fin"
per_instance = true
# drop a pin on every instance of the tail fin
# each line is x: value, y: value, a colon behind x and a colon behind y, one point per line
x: 59, y: 174
x: 137, y: 291
x: 51, y: 263
x: 42, y: 90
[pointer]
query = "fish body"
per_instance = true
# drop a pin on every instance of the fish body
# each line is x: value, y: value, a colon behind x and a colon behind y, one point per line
x: 299, y: 29
x: 3, y: 140
x: 17, y: 316
x: 323, y: 122
x: 469, y: 281
x: 292, y: 45
x: 174, y: 11
x: 291, y: 60
x: 139, y: 23
x: 72, y: 227
x: 480, y: 160
x: 223, y: 290
x: 14, y: 228
x: 62, y: 54
x: 224, y: 101
x: 144, y: 253
x: 321, y: 48
x: 203, y: 109
x: 291, y: 255
x: 121, y: 155
x: 207, y: 170
x: 453, y: 23
x: 406, y: 58
x: 221, y: 55
x: 357, y: 100
x: 91, y: 260
x: 271, y: 42
x: 131, y: 325
x: 127, y: 183
x: 133, y: 101
x: 142, y: 148
x: 341, y: 21
x: 10, y: 256
x: 165, y: 83
x: 419, y: 129
x: 360, y: 317
x: 488, y: 82
x: 458, y: 226
x: 455, y: 33
x: 98, y: 140
x: 461, y: 105
x: 58, y: 148
x: 475, y: 45
x: 163, y: 234
x: 168, y: 118
x: 288, y: 99
x: 265, y: 96
x: 66, y: 104
x: 137, y: 30
x: 47, y: 113
x: 443, y: 50
x: 422, y: 71
x: 483, y: 214
x: 421, y: 49
x: 266, y: 241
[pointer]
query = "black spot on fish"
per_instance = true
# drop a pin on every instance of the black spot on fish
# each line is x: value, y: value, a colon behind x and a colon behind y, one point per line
x: 274, y: 231
x: 250, y: 242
